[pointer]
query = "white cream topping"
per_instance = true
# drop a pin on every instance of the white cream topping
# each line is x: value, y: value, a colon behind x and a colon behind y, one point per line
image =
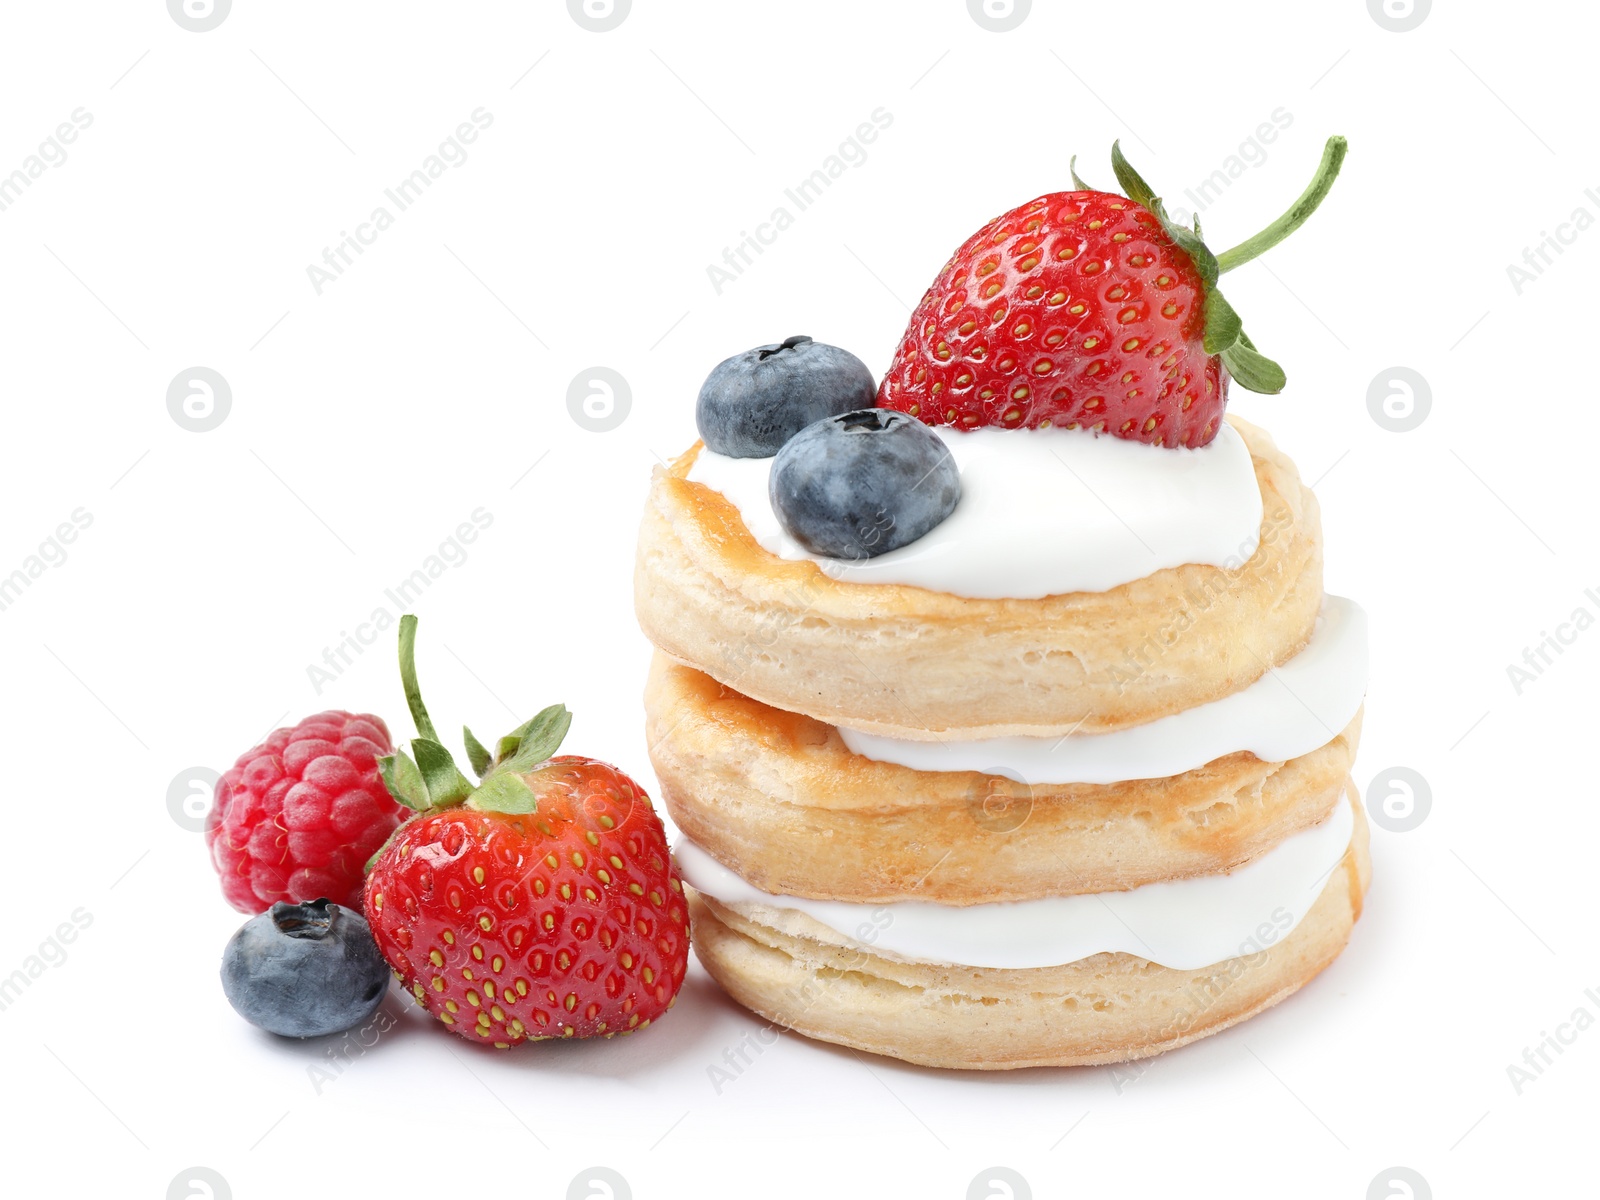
x: 1289, y: 711
x: 1185, y: 924
x: 1043, y: 512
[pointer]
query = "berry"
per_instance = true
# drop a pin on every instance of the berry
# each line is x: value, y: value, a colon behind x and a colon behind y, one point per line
x: 542, y: 902
x: 304, y: 970
x: 299, y: 815
x: 1088, y: 310
x: 752, y: 403
x: 862, y: 484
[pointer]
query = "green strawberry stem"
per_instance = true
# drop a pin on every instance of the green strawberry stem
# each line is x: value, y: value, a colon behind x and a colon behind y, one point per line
x: 1327, y: 171
x: 408, y: 678
x: 1224, y: 330
x: 428, y: 777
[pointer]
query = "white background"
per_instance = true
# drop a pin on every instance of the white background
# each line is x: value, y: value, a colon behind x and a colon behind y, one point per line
x: 431, y: 379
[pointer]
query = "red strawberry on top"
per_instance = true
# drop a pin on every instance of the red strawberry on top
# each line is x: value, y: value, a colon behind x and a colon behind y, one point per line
x: 543, y: 902
x: 297, y: 817
x: 1092, y: 311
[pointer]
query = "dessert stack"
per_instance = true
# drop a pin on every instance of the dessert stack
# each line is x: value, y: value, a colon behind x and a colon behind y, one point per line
x: 1000, y: 705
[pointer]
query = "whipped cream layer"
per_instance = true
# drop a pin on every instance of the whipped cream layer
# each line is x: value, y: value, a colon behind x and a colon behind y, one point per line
x: 1291, y: 710
x: 1184, y: 924
x: 1043, y: 512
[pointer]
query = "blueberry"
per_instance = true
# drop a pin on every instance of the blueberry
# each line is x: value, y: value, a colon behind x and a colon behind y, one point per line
x: 303, y: 970
x: 752, y: 403
x: 863, y: 483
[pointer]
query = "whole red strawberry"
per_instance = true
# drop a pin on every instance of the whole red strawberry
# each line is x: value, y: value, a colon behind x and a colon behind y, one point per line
x: 297, y: 817
x: 542, y: 902
x: 1092, y: 311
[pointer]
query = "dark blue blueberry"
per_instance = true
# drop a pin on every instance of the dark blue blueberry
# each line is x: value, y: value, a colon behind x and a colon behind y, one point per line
x: 752, y: 403
x: 303, y: 970
x: 863, y: 483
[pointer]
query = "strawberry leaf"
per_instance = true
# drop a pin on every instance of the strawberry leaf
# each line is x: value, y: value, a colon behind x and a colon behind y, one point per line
x: 1072, y: 166
x: 446, y: 784
x: 1189, y: 242
x: 404, y: 781
x: 434, y: 781
x: 1252, y: 370
x: 541, y: 737
x: 1223, y: 325
x: 545, y: 733
x: 505, y: 792
x: 507, y: 745
x: 477, y: 754
x: 1133, y: 185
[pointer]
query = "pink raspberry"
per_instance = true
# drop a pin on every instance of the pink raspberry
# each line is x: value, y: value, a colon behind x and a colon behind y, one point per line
x: 297, y: 817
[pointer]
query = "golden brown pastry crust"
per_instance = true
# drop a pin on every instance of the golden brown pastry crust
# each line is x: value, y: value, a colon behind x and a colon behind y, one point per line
x: 1104, y: 1009
x: 779, y: 799
x: 912, y: 663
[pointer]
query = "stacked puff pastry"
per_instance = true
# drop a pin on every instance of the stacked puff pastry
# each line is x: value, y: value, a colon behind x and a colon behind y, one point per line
x: 761, y: 659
